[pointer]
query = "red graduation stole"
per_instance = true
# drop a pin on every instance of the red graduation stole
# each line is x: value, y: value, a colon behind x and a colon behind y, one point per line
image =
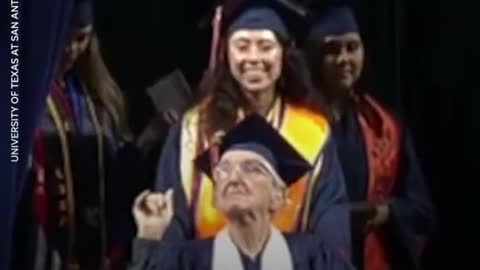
x: 61, y: 111
x: 382, y: 135
x: 40, y: 195
x: 306, y: 131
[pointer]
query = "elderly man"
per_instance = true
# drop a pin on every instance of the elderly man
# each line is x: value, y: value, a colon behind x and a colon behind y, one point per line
x: 249, y: 180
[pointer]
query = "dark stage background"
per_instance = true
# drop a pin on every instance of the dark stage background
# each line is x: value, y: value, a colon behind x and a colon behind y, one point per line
x: 419, y: 56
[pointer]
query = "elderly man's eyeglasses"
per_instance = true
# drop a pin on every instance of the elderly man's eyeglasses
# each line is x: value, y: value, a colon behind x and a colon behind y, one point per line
x: 247, y: 168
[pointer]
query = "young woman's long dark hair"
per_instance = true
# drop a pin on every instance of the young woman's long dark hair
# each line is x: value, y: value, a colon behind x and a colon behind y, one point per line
x: 221, y: 97
x: 99, y: 82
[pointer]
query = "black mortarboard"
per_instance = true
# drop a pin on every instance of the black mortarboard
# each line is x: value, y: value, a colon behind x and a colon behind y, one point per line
x: 334, y: 20
x: 171, y: 93
x: 281, y: 16
x: 255, y: 134
x: 83, y: 13
x: 285, y: 17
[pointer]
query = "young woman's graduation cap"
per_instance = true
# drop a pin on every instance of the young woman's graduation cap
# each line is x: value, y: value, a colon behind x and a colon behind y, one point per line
x: 256, y: 135
x: 333, y: 20
x: 285, y: 17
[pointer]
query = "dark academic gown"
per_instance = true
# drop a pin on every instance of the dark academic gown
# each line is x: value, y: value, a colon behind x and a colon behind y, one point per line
x: 306, y: 251
x: 411, y: 213
x: 41, y: 236
x: 328, y: 220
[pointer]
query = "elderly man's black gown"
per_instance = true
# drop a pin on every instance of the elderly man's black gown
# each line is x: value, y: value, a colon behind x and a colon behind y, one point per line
x: 306, y: 252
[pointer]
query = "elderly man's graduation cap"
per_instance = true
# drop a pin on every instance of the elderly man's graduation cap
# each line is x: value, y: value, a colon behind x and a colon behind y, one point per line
x: 255, y: 134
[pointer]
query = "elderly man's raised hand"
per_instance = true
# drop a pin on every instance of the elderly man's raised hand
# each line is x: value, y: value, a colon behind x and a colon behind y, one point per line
x: 153, y: 213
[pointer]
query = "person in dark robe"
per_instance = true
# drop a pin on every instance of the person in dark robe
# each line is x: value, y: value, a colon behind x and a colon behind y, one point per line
x: 73, y: 212
x: 390, y: 205
x: 258, y: 69
x: 250, y: 173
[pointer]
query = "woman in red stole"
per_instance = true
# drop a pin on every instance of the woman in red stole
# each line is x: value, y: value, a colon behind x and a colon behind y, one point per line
x: 390, y: 207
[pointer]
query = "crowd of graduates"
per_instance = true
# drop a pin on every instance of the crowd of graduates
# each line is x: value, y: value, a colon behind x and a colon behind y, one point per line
x: 279, y: 159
